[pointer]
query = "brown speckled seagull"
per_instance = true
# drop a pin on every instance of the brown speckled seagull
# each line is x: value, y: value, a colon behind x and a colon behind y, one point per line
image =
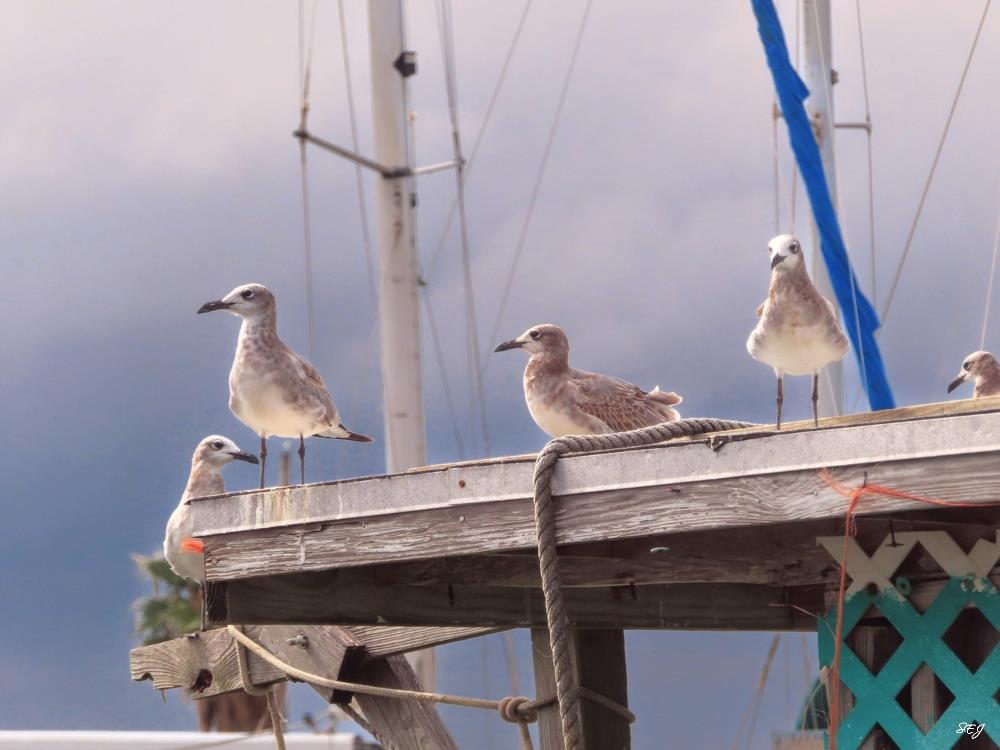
x: 272, y: 390
x: 566, y: 401
x: 798, y: 332
x: 984, y: 369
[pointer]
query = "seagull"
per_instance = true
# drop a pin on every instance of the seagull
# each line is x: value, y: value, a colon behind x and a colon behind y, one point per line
x: 186, y: 555
x: 566, y: 401
x: 798, y: 332
x: 984, y: 369
x: 272, y: 390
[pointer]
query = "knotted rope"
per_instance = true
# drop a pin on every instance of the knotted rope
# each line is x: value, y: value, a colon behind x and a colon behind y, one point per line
x: 568, y: 692
x: 514, y: 709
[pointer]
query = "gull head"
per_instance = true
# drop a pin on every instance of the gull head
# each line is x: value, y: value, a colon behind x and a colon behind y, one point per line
x: 247, y: 301
x: 216, y: 450
x: 973, y: 367
x: 786, y: 253
x: 541, y: 339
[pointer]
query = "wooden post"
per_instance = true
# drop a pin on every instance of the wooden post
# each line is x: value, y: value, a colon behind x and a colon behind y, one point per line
x: 550, y: 736
x: 600, y: 663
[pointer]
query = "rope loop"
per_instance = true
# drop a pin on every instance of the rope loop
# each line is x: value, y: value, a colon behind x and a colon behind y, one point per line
x: 517, y: 709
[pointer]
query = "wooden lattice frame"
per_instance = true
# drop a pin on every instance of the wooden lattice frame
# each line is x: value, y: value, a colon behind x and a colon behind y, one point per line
x: 875, y: 695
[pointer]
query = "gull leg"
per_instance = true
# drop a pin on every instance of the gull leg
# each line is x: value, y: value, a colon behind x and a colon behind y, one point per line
x: 815, y: 398
x: 263, y: 458
x: 780, y: 399
x: 302, y: 460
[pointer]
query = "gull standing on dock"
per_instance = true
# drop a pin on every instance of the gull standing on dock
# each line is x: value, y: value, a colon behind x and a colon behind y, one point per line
x: 798, y: 332
x: 272, y: 390
x: 984, y: 369
x: 566, y: 401
x: 186, y: 555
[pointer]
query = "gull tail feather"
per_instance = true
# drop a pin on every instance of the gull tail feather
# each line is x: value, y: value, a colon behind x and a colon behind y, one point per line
x: 664, y: 397
x: 342, y: 433
x: 193, y: 545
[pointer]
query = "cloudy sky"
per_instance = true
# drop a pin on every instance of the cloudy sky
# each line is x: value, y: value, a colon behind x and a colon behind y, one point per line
x: 147, y: 166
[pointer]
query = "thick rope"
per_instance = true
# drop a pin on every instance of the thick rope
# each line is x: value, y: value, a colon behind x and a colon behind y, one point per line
x: 514, y: 709
x: 567, y: 691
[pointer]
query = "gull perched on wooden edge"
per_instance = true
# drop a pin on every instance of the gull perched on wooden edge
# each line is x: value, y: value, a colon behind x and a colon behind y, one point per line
x: 798, y: 332
x: 185, y: 554
x: 983, y: 368
x: 272, y: 390
x: 566, y: 401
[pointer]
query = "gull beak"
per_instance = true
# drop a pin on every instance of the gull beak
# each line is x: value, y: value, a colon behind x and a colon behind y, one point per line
x: 214, y: 305
x: 250, y: 458
x: 507, y: 345
x: 962, y: 377
x: 776, y: 260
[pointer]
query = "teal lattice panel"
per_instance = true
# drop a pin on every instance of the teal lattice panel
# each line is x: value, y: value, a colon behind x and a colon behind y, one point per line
x: 975, y: 694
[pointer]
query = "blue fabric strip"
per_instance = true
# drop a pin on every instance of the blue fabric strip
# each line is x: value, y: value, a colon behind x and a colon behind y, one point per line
x: 859, y: 317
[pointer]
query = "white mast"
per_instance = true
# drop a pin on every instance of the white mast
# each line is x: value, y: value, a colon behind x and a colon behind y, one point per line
x: 818, y: 75
x: 398, y: 299
x: 399, y: 304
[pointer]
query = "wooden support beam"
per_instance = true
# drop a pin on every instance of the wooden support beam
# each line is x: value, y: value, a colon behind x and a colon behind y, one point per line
x: 406, y: 724
x: 387, y: 640
x: 600, y: 665
x: 550, y: 735
x: 320, y: 598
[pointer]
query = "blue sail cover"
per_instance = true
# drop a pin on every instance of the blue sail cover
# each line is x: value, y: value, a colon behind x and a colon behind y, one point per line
x: 859, y: 317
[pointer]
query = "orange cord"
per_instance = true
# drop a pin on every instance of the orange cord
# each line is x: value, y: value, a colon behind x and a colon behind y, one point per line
x: 854, y: 495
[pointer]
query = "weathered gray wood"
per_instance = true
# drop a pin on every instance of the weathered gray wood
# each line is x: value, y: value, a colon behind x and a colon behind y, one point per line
x: 321, y: 599
x: 386, y: 640
x: 924, y: 699
x: 408, y: 725
x: 207, y: 664
x: 550, y: 735
x: 756, y: 480
x: 600, y: 664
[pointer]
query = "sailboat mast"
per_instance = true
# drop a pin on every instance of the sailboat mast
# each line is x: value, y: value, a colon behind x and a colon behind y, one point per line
x: 817, y: 49
x: 399, y: 303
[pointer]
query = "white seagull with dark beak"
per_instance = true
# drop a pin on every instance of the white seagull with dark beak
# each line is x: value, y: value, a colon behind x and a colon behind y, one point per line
x: 272, y: 390
x: 566, y: 401
x: 798, y: 332
x: 983, y: 368
x: 185, y: 554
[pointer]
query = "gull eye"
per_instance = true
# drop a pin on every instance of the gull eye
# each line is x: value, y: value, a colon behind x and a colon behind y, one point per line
x: 535, y: 335
x: 794, y: 247
x: 967, y: 365
x: 247, y: 293
x: 217, y: 444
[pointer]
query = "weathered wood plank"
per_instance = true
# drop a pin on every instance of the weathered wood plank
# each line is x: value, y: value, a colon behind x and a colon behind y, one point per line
x: 206, y: 664
x: 406, y: 724
x: 601, y: 666
x: 387, y: 640
x: 550, y: 734
x: 321, y: 599
x: 742, y: 501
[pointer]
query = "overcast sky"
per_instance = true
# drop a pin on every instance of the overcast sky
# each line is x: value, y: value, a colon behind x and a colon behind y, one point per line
x: 146, y: 166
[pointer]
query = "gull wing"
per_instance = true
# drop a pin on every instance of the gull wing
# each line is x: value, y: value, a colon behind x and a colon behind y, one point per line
x: 620, y: 405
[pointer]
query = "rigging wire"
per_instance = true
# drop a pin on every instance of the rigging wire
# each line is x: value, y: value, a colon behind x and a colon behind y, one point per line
x: 487, y: 118
x: 934, y: 164
x: 989, y: 290
x: 305, y: 74
x: 446, y: 32
x: 868, y: 141
x: 443, y: 371
x: 536, y: 188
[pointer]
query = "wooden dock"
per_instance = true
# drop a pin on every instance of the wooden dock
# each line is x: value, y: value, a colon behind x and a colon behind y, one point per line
x: 712, y: 533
